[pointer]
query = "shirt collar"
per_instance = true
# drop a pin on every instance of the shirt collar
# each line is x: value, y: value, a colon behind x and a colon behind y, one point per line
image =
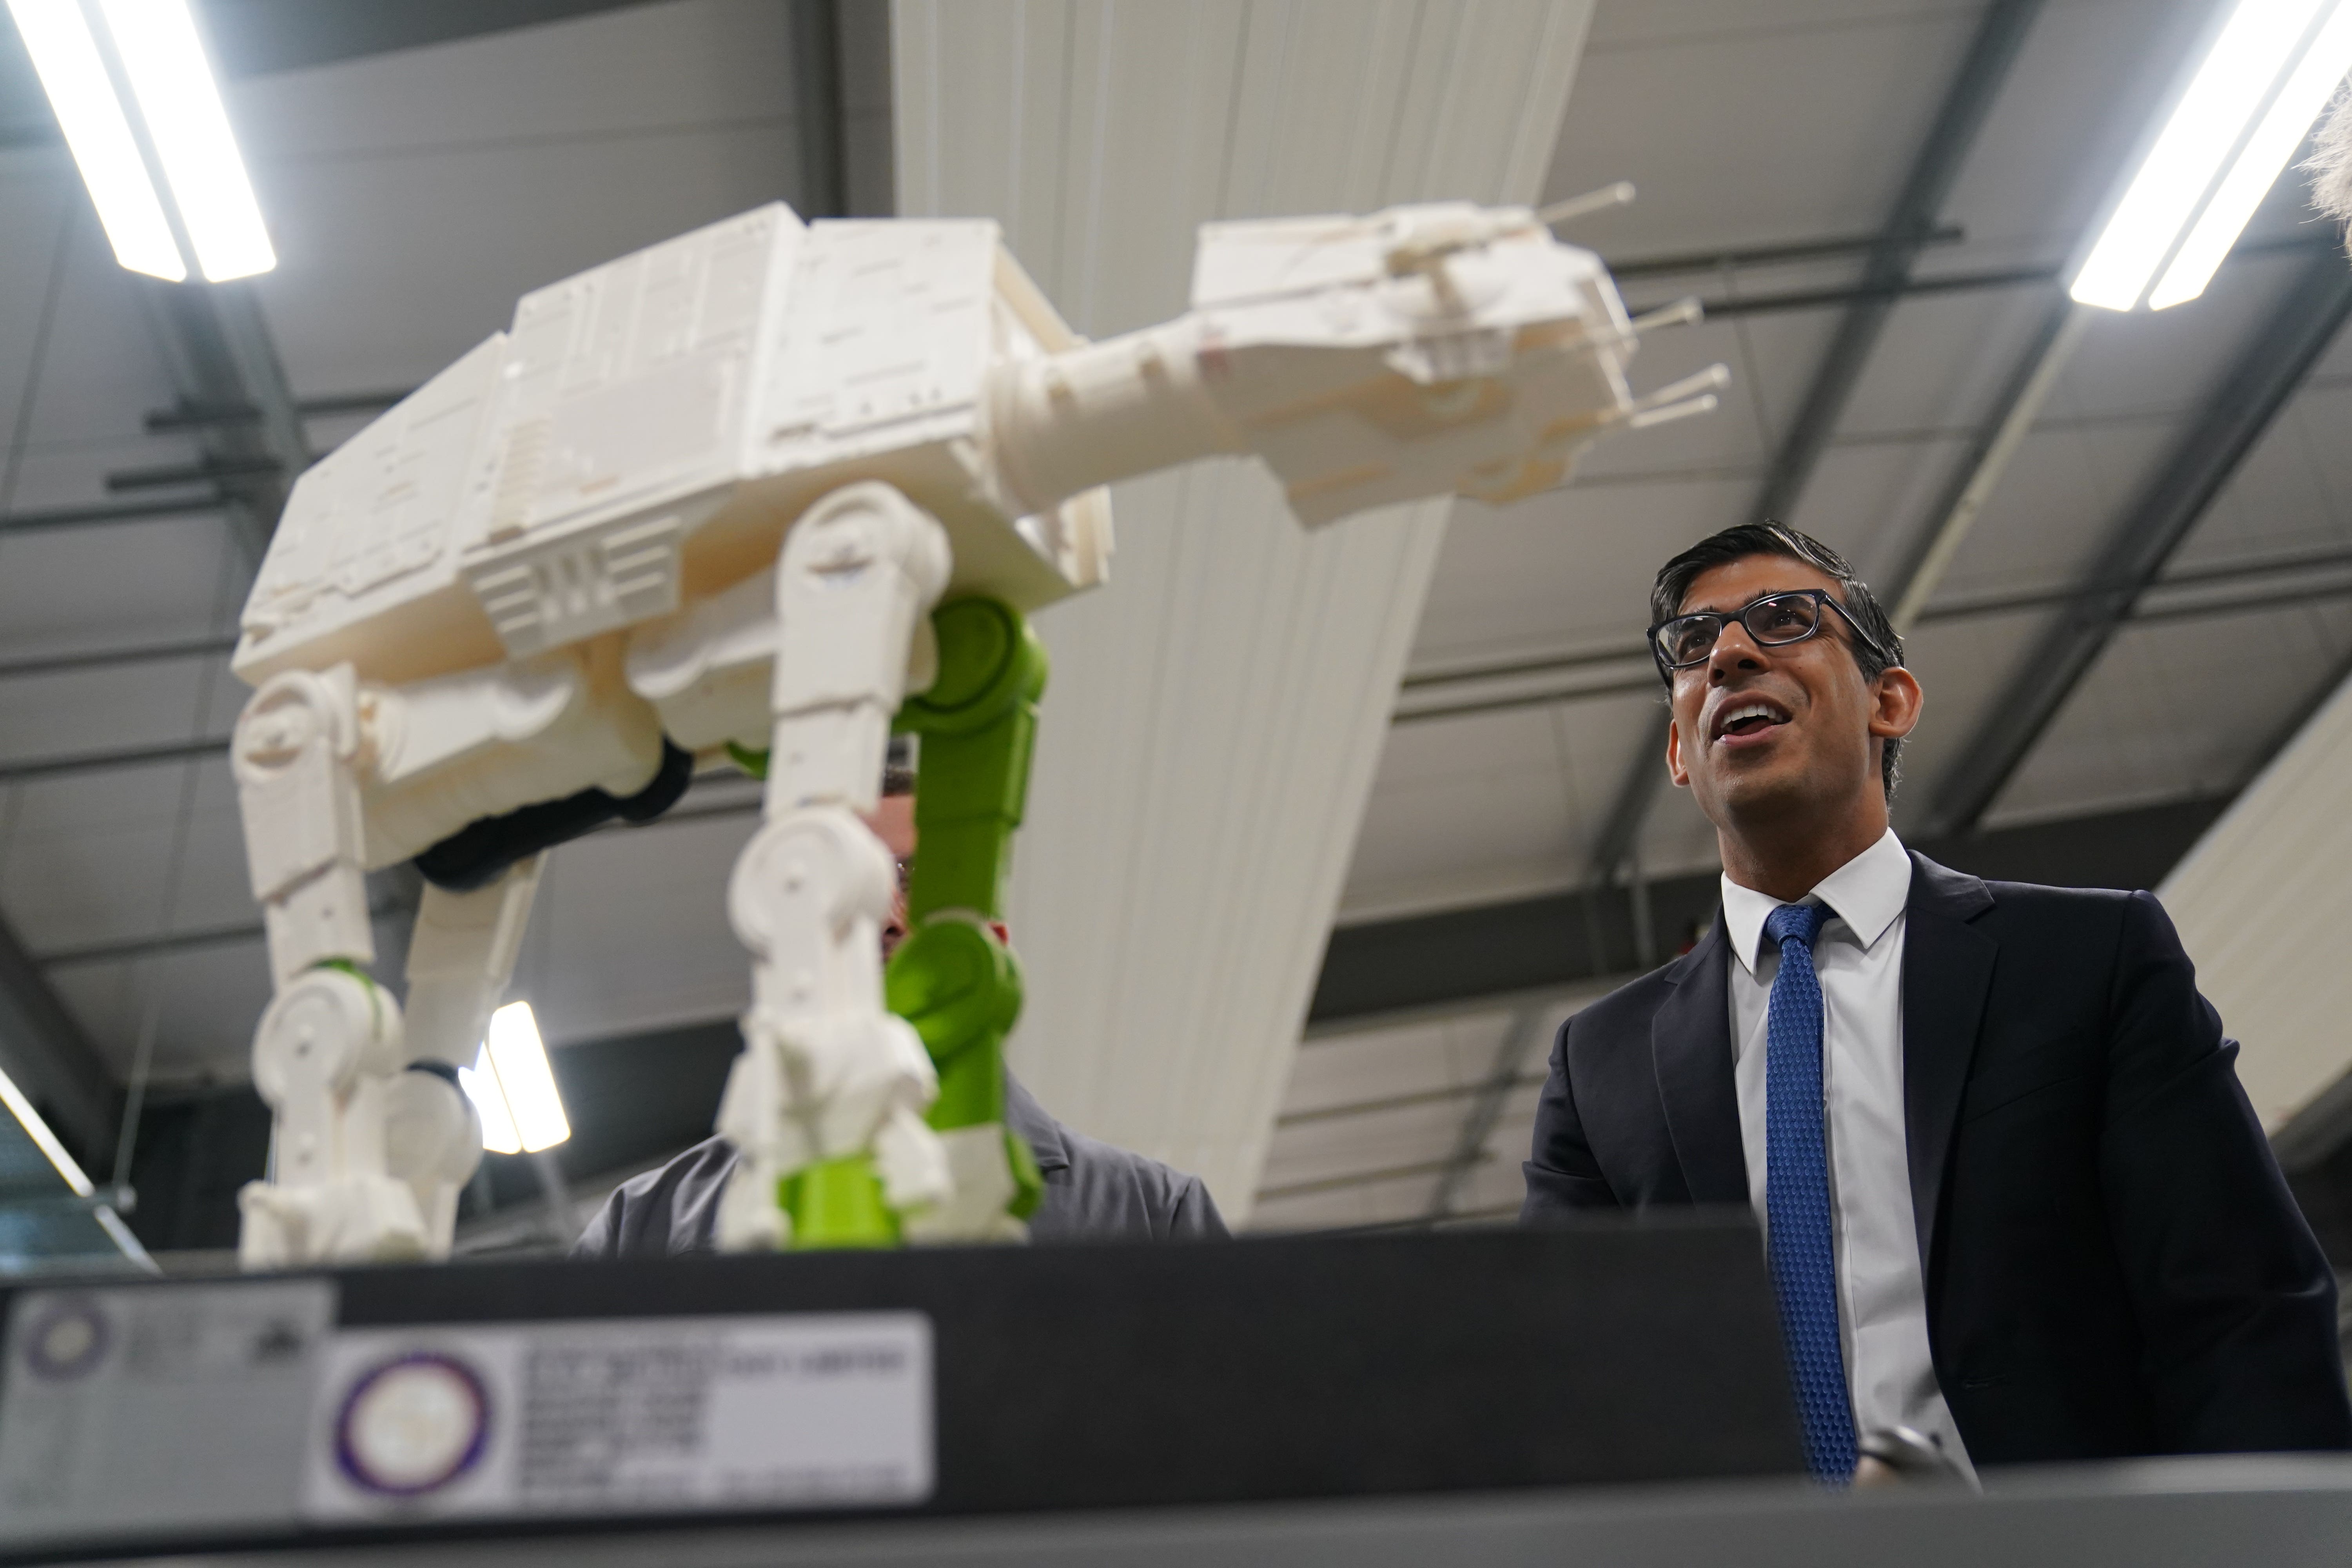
x: 1867, y: 893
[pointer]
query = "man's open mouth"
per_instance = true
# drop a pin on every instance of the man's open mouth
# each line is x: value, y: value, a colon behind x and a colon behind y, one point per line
x: 1750, y: 717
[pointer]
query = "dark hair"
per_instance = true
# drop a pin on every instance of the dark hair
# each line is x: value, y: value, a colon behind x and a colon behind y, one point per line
x: 1675, y: 577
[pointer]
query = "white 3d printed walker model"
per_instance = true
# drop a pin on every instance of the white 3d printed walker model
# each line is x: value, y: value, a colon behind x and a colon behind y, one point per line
x: 701, y: 502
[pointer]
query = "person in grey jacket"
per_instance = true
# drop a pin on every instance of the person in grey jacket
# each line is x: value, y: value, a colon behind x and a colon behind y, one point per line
x: 1093, y: 1192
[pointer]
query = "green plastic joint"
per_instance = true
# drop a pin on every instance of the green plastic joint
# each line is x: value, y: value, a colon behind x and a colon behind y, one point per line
x: 374, y: 992
x: 837, y: 1204
x: 754, y: 763
x: 979, y: 729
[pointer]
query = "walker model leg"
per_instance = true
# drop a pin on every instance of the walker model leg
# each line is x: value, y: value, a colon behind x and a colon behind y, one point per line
x: 460, y: 961
x: 825, y: 1104
x: 953, y: 978
x: 330, y: 1044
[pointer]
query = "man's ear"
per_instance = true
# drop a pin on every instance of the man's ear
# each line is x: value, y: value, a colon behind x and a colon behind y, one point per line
x: 1675, y: 769
x: 1896, y: 701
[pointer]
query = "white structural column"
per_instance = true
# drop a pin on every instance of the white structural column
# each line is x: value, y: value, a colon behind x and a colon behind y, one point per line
x: 2263, y: 902
x: 1215, y: 713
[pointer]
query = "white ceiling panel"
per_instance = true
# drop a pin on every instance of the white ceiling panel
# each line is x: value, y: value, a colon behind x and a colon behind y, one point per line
x: 203, y: 1005
x: 1333, y: 1072
x: 1870, y: 499
x: 1346, y: 1205
x: 1375, y: 1110
x: 1390, y: 1139
x: 39, y: 196
x: 1942, y: 359
x: 2169, y: 362
x: 415, y: 195
x: 2059, y: 499
x: 1676, y: 838
x: 100, y: 372
x: 531, y: 214
x: 1746, y: 129
x: 1489, y: 806
x: 104, y: 708
x: 1963, y: 666
x: 2294, y: 491
x: 1570, y: 570
x: 1769, y: 357
x: 85, y: 886
x: 2077, y: 102
x: 2121, y: 737
x: 642, y: 69
x: 629, y: 931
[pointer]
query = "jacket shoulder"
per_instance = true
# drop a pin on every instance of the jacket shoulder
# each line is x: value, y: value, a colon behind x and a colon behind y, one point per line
x: 1629, y: 1009
x: 670, y: 1209
x: 2036, y: 911
x: 1107, y: 1193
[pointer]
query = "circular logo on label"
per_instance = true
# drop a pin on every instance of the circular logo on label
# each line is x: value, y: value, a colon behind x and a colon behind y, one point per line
x: 68, y: 1339
x: 412, y: 1425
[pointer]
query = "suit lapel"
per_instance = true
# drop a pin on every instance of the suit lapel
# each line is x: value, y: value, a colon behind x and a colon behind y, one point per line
x: 1690, y: 1042
x: 1947, y: 966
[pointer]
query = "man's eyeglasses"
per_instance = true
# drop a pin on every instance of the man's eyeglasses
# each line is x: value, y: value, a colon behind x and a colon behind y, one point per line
x: 1775, y: 620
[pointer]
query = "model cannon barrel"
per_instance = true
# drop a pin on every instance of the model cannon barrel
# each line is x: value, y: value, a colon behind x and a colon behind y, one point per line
x: 1108, y: 411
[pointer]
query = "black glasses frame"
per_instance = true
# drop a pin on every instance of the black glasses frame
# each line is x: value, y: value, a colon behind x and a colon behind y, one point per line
x: 1820, y: 596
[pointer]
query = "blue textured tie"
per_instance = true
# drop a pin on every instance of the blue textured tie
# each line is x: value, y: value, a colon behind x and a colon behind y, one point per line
x: 1797, y: 1194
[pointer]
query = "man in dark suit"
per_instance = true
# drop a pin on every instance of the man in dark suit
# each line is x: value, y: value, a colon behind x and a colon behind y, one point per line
x: 2017, y: 1206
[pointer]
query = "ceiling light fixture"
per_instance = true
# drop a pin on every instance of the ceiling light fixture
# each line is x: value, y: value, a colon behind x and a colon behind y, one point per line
x: 2261, y: 41
x: 2300, y: 102
x: 37, y: 1130
x: 180, y: 100
x: 512, y: 1087
x: 162, y: 61
x: 65, y: 54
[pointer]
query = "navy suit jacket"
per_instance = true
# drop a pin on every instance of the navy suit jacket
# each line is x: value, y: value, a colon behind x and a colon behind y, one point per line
x: 2114, y: 1265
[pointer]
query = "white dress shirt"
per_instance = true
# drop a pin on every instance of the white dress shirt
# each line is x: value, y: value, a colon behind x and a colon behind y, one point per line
x: 1881, y: 1299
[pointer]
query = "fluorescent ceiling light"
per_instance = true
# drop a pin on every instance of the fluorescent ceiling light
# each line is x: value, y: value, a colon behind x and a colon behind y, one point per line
x: 512, y: 1087
x: 2255, y: 45
x: 481, y: 1086
x: 164, y: 60
x: 38, y: 1131
x: 64, y: 53
x: 2298, y: 103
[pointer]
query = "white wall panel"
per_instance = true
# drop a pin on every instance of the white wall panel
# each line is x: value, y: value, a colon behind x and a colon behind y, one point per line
x: 2263, y: 903
x: 1215, y: 713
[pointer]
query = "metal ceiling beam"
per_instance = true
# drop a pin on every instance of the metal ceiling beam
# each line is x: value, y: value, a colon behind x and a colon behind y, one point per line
x: 257, y: 37
x: 1865, y: 293
x: 109, y: 657
x: 1356, y: 1179
x: 817, y: 109
x: 49, y: 517
x: 2298, y: 564
x: 220, y: 354
x: 1833, y: 248
x: 1943, y: 283
x: 104, y: 761
x: 1525, y: 1035
x: 2257, y: 385
x: 1494, y: 956
x: 50, y: 1058
x: 1967, y: 104
x: 194, y: 415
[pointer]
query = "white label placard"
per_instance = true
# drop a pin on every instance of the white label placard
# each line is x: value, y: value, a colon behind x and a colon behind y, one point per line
x: 634, y: 1415
x: 153, y: 1408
